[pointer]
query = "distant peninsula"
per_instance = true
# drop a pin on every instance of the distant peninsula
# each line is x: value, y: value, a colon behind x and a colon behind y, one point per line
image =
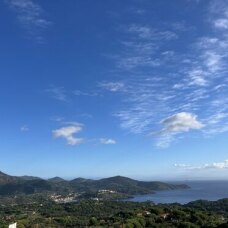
x: 106, y: 188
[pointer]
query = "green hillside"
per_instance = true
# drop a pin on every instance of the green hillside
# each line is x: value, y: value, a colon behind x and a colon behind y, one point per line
x: 10, y: 185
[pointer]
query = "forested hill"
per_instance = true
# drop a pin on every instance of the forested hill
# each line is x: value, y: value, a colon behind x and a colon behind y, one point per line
x: 123, y: 184
x: 5, y: 179
x: 28, y: 185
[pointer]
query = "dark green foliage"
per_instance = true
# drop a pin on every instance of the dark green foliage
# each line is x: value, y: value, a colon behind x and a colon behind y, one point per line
x: 27, y: 187
x: 219, y: 206
x: 88, y: 213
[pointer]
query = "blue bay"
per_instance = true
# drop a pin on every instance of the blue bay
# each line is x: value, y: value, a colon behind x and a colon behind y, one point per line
x: 206, y: 190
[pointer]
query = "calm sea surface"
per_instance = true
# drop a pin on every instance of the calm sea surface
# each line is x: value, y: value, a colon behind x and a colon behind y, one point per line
x: 207, y: 190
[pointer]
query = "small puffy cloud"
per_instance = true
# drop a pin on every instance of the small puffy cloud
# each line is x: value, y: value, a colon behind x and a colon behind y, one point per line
x: 68, y: 133
x: 24, y: 128
x: 107, y: 141
x: 181, y: 122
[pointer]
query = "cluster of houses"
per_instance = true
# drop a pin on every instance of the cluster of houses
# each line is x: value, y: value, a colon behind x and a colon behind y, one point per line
x: 64, y: 199
x: 72, y: 197
x: 104, y: 191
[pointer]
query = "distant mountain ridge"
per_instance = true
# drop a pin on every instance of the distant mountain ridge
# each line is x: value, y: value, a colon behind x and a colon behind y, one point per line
x: 29, y: 185
x: 5, y: 179
x: 124, y: 185
x: 56, y: 179
x: 25, y: 177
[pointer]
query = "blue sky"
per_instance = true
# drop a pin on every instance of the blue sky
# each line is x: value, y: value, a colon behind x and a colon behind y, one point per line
x: 102, y: 88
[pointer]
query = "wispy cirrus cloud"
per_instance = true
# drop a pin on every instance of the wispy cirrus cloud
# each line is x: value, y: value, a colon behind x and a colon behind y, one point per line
x: 82, y: 93
x: 140, y: 49
x: 67, y: 95
x: 58, y: 93
x: 163, y: 82
x: 148, y: 33
x: 31, y: 16
x: 112, y: 86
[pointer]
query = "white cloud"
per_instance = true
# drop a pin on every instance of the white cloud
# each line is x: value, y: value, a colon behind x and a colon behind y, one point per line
x: 113, y: 86
x: 219, y: 10
x: 146, y: 32
x: 130, y: 62
x: 57, y: 93
x: 30, y: 15
x: 68, y: 133
x: 218, y: 165
x: 24, y: 128
x: 107, y: 141
x: 216, y: 118
x: 221, y: 23
x: 142, y: 31
x: 57, y: 118
x: 74, y: 123
x: 212, y: 61
x: 181, y: 165
x: 81, y: 93
x: 140, y: 49
x: 197, y: 77
x: 174, y: 126
x: 214, y: 165
x: 159, y: 80
x: 164, y: 141
x: 181, y: 122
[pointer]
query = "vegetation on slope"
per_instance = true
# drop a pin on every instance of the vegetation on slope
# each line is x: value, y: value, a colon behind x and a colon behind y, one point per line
x: 110, y: 214
x: 10, y: 185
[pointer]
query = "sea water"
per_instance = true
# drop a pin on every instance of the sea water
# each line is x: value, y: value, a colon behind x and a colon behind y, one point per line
x: 206, y: 190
